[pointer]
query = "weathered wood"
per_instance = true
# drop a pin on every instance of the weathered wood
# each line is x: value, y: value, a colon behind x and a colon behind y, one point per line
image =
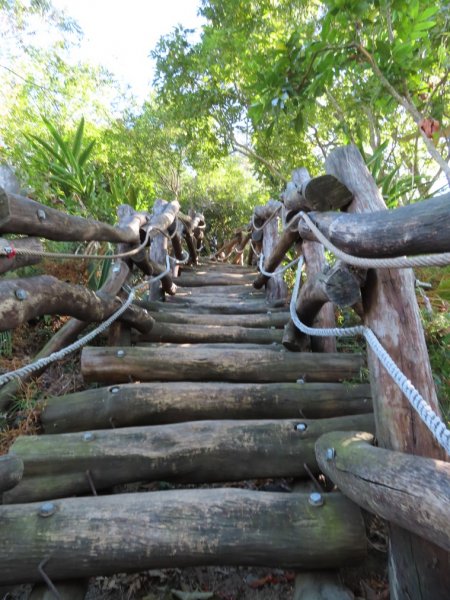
x: 149, y: 364
x: 276, y: 288
x: 339, y: 285
x: 194, y: 452
x: 410, y: 491
x: 67, y: 334
x: 321, y: 585
x: 158, y: 248
x: 179, y: 528
x: 272, y: 320
x: 321, y: 193
x: 188, y: 234
x: 21, y: 215
x: 220, y: 293
x: 285, y: 241
x: 205, y: 279
x: 170, y: 402
x: 16, y: 261
x: 202, y: 306
x: 423, y: 227
x: 166, y: 282
x: 11, y: 471
x: 46, y: 295
x: 182, y: 334
x: 75, y: 589
x: 418, y: 569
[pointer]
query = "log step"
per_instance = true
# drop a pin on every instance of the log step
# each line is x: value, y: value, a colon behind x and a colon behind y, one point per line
x: 11, y: 471
x: 240, y: 307
x: 175, y: 363
x: 158, y: 403
x: 105, y: 535
x: 203, y: 278
x: 195, y: 334
x: 193, y: 452
x: 270, y: 319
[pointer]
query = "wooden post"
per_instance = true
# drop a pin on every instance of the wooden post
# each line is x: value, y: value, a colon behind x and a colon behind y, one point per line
x: 158, y: 251
x: 276, y: 289
x: 419, y: 570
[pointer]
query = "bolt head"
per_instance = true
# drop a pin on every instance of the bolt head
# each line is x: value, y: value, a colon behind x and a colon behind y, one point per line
x: 21, y: 294
x: 41, y: 214
x: 315, y: 499
x: 120, y: 353
x: 88, y: 436
x: 330, y: 453
x: 47, y: 509
x: 269, y: 313
x: 116, y: 268
x: 114, y: 390
x: 300, y: 381
x: 301, y: 427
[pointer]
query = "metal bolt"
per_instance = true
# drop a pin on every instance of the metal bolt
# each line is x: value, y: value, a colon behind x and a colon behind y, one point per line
x: 330, y: 454
x: 301, y: 427
x: 120, y: 353
x: 300, y: 381
x: 272, y: 327
x: 315, y: 499
x: 21, y: 294
x: 116, y: 268
x: 41, y: 215
x: 88, y: 436
x: 114, y: 390
x: 47, y: 509
x: 269, y: 313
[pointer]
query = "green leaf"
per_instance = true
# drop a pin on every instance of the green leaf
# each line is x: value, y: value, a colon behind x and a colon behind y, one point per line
x: 76, y: 146
x: 86, y: 153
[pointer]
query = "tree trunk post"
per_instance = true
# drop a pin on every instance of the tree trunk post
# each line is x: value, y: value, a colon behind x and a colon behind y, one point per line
x: 158, y: 251
x: 419, y: 570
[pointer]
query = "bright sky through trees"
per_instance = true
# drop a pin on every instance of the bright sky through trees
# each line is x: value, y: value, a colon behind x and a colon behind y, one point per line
x: 119, y: 35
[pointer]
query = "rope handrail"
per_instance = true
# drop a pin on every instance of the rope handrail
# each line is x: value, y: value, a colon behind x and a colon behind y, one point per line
x: 400, y: 262
x: 267, y: 221
x: 434, y: 423
x: 60, y: 354
x: 280, y: 271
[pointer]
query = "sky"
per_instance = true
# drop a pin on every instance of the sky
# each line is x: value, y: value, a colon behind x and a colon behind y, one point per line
x: 119, y: 34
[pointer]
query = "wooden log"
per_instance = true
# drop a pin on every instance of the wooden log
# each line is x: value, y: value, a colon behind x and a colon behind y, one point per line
x: 16, y: 261
x: 148, y: 364
x: 167, y: 284
x: 179, y: 528
x: 423, y: 227
x: 11, y: 471
x: 199, y: 306
x: 194, y: 334
x: 219, y: 292
x: 321, y: 193
x: 410, y: 491
x: 320, y: 585
x: 74, y: 589
x: 271, y: 319
x: 163, y: 216
x: 170, y: 402
x: 193, y: 452
x: 158, y: 248
x: 339, y: 285
x: 417, y: 568
x: 67, y: 334
x: 25, y: 299
x: 276, y: 289
x: 286, y: 240
x: 207, y: 279
x: 21, y: 215
x: 188, y: 235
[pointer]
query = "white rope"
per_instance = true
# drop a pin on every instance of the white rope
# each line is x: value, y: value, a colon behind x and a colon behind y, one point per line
x: 434, y: 423
x: 182, y: 261
x: 60, y: 354
x: 257, y: 254
x: 401, y: 262
x: 267, y: 221
x: 280, y: 271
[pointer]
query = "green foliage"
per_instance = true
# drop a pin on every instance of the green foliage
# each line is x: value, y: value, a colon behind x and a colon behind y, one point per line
x: 66, y: 162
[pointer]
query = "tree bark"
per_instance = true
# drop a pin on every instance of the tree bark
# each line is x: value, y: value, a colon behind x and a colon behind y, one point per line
x: 170, y: 402
x: 178, y: 528
x: 276, y: 289
x: 272, y: 320
x: 286, y: 240
x: 423, y: 227
x: 194, y: 452
x: 16, y: 261
x: 418, y: 569
x: 24, y: 216
x: 158, y: 248
x: 321, y: 193
x: 46, y: 295
x: 208, y: 364
x: 195, y: 334
x: 11, y: 471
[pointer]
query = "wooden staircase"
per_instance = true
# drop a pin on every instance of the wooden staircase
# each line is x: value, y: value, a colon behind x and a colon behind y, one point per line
x: 209, y: 395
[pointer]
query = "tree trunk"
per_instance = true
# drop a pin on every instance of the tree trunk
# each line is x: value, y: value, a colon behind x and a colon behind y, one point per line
x: 171, y: 402
x: 414, y: 229
x: 208, y: 364
x: 321, y: 193
x: 418, y: 569
x: 410, y: 491
x: 178, y: 528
